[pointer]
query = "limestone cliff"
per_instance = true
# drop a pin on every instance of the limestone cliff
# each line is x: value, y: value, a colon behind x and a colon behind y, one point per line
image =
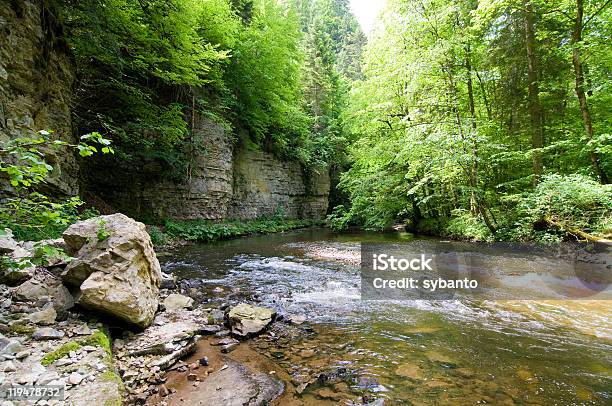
x: 36, y: 78
x: 225, y: 181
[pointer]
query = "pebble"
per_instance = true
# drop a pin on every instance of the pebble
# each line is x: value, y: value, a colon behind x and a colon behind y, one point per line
x: 47, y: 333
x: 192, y: 377
x: 9, y: 366
x: 228, y: 348
x: 203, y: 361
x: 75, y: 378
x: 83, y: 330
x: 22, y: 354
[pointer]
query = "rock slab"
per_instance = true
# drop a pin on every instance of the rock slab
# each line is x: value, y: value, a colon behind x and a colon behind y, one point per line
x: 238, y: 385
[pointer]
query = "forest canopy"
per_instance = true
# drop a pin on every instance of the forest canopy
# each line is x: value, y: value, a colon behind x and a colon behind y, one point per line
x: 266, y: 69
x: 483, y: 119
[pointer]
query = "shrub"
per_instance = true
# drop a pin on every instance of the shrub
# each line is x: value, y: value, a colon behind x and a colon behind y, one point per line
x: 30, y: 214
x: 574, y: 201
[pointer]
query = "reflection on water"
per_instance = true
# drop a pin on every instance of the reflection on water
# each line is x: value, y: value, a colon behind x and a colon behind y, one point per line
x: 412, y: 352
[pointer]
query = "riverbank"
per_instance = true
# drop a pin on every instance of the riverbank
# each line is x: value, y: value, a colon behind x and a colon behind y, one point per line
x: 174, y: 231
x: 101, y: 323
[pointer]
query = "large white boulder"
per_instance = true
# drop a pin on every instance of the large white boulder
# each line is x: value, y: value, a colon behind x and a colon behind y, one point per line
x: 115, y: 267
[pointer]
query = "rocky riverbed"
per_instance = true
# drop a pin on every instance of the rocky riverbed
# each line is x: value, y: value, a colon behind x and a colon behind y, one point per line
x: 107, y: 326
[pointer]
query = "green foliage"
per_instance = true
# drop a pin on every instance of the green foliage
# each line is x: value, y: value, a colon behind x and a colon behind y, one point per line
x: 339, y: 218
x: 98, y: 339
x: 61, y: 352
x: 205, y: 231
x: 573, y: 200
x: 30, y: 214
x: 147, y: 68
x: 46, y: 255
x: 101, y: 233
x: 158, y: 237
x: 265, y: 76
x: 464, y: 224
x: 442, y: 125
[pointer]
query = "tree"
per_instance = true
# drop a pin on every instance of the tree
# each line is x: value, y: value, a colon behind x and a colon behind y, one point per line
x: 580, y: 87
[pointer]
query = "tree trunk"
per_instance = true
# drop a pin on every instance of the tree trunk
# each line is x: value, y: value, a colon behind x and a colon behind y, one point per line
x: 474, y: 163
x: 579, y: 73
x: 535, y: 109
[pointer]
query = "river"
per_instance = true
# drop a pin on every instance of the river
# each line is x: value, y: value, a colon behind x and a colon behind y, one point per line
x: 408, y: 352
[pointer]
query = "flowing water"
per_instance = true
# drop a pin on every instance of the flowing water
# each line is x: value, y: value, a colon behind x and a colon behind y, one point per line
x: 410, y: 352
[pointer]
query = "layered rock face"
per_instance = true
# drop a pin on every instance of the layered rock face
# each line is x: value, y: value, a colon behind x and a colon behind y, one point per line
x: 115, y: 268
x: 265, y: 186
x: 224, y: 182
x: 36, y: 78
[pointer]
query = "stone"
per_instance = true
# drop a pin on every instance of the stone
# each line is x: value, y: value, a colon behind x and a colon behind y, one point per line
x: 103, y: 390
x: 227, y: 181
x: 297, y: 319
x: 235, y: 385
x: 47, y: 333
x: 192, y: 377
x: 45, y: 317
x: 83, y: 330
x: 22, y: 354
x: 203, y: 361
x: 227, y: 348
x: 168, y: 281
x: 22, y: 271
x: 8, y: 366
x: 31, y: 374
x: 217, y: 315
x: 167, y: 360
x: 75, y: 378
x: 176, y: 301
x: 119, y: 275
x: 226, y: 341
x: 163, y: 391
x: 10, y: 346
x: 7, y: 242
x: 45, y: 285
x: 162, y: 339
x: 47, y: 377
x: 246, y: 320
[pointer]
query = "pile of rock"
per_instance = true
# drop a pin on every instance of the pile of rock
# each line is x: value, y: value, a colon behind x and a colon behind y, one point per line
x: 113, y: 271
x: 71, y: 354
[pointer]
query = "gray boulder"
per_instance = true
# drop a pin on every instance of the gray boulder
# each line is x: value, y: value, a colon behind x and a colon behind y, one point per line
x: 115, y: 267
x: 44, y: 317
x: 47, y: 333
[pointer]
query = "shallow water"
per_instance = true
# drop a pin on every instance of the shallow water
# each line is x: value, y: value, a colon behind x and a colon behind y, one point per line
x: 410, y: 352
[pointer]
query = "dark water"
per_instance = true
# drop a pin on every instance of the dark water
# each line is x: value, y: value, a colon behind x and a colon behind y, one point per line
x: 415, y: 352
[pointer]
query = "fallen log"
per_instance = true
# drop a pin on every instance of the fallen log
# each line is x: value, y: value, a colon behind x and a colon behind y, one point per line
x: 575, y: 231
